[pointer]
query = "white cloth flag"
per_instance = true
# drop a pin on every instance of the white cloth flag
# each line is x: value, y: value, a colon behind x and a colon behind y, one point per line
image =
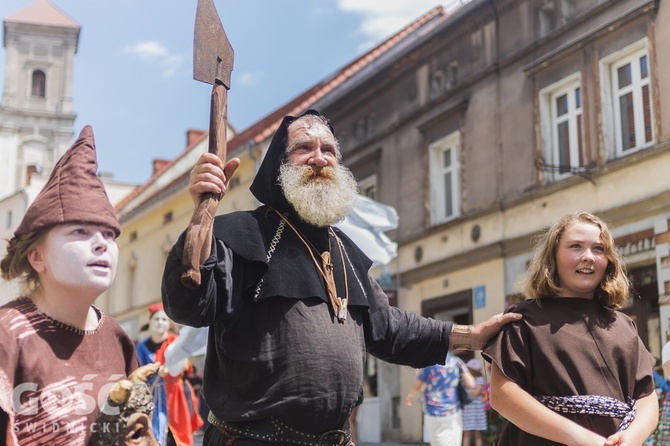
x: 190, y: 342
x: 366, y: 224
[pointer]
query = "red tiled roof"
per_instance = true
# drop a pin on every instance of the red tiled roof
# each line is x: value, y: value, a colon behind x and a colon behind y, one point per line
x: 42, y: 12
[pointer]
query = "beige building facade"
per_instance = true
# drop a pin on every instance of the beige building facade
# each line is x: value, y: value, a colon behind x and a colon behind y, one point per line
x: 481, y: 126
x: 506, y: 116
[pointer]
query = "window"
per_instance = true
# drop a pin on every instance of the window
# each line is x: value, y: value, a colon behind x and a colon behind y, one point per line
x: 568, y: 9
x: 364, y: 127
x: 39, y: 84
x: 628, y: 113
x: 547, y: 18
x: 436, y: 83
x: 632, y: 104
x: 368, y: 186
x: 452, y: 75
x: 476, y: 44
x: 444, y: 178
x: 561, y: 116
x: 554, y: 13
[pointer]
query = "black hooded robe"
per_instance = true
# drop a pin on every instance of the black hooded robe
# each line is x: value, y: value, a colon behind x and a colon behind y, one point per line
x: 275, y: 348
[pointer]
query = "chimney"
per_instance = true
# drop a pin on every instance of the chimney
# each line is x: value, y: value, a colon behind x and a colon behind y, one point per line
x: 159, y: 164
x: 192, y: 135
x: 30, y: 170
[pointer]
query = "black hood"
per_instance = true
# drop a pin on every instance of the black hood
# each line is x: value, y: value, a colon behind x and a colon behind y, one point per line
x: 289, y: 270
x: 265, y: 186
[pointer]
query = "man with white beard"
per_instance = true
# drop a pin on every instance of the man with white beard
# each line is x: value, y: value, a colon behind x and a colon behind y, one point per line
x: 291, y: 308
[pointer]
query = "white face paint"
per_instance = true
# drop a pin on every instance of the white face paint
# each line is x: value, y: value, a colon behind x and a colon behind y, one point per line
x: 80, y: 257
x: 159, y: 323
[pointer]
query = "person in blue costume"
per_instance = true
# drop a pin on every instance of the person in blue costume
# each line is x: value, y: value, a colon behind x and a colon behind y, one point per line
x: 175, y: 417
x: 441, y: 400
x: 158, y: 326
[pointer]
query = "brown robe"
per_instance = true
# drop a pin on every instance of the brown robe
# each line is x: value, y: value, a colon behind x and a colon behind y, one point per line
x: 572, y: 346
x: 54, y: 377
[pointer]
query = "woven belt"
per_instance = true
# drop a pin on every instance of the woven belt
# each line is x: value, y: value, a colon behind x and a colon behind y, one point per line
x: 272, y: 430
x: 593, y: 405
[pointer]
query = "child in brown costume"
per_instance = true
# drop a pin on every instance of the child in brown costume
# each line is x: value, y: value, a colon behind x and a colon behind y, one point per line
x: 59, y: 354
x: 573, y: 370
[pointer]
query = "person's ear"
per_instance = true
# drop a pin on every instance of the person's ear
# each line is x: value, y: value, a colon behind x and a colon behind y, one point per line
x: 36, y: 260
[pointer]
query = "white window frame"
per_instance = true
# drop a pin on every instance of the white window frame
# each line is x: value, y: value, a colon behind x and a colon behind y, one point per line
x: 610, y: 95
x: 452, y: 144
x: 549, y: 122
x: 367, y: 183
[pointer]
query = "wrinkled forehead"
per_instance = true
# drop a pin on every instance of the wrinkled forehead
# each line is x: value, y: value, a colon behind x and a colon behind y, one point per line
x: 308, y: 126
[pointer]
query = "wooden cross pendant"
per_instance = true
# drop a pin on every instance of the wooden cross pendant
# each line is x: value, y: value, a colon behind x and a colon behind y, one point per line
x: 339, y: 305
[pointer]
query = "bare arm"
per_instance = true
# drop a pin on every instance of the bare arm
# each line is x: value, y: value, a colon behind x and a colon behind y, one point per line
x: 414, y: 391
x: 475, y: 337
x: 476, y: 391
x: 642, y: 426
x: 468, y: 380
x: 531, y: 416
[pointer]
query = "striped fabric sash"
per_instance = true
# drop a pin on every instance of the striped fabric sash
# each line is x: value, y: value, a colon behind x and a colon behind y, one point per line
x: 592, y: 405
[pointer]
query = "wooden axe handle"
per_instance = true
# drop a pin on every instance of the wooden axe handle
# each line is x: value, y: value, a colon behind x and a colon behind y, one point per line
x: 199, y: 232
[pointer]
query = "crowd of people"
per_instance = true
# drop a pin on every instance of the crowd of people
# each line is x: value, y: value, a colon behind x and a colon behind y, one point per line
x: 292, y: 312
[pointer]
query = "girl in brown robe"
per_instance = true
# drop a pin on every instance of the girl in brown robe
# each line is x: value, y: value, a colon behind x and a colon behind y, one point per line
x: 573, y: 370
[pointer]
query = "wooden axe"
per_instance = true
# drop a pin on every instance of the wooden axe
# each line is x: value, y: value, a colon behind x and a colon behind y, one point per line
x: 212, y: 63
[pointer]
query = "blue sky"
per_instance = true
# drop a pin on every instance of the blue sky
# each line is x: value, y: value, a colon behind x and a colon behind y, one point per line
x: 133, y: 75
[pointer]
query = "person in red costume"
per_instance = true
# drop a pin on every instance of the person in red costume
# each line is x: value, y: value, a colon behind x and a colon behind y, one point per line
x: 175, y: 417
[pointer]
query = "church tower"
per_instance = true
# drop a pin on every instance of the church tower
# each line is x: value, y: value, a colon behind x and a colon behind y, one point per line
x: 36, y: 116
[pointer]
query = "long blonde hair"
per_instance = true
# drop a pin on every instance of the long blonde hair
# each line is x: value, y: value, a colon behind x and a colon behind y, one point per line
x: 542, y: 279
x: 15, y: 264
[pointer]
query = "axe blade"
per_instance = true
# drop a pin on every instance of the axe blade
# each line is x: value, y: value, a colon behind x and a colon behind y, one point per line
x: 212, y: 53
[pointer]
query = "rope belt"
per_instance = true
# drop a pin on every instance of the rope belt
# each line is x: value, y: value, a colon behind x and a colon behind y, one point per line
x: 592, y: 405
x: 272, y: 430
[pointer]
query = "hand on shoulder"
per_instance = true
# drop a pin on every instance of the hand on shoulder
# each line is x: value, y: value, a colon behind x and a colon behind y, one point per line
x: 475, y: 337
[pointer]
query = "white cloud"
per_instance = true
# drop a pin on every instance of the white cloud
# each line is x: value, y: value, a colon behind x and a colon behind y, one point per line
x: 249, y: 78
x: 152, y: 52
x: 383, y: 19
x: 148, y: 51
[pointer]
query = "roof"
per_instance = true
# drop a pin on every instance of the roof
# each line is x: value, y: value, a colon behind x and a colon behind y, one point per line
x: 265, y: 128
x: 42, y: 12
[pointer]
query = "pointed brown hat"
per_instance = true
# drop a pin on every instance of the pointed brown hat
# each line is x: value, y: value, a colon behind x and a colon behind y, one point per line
x: 74, y: 192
